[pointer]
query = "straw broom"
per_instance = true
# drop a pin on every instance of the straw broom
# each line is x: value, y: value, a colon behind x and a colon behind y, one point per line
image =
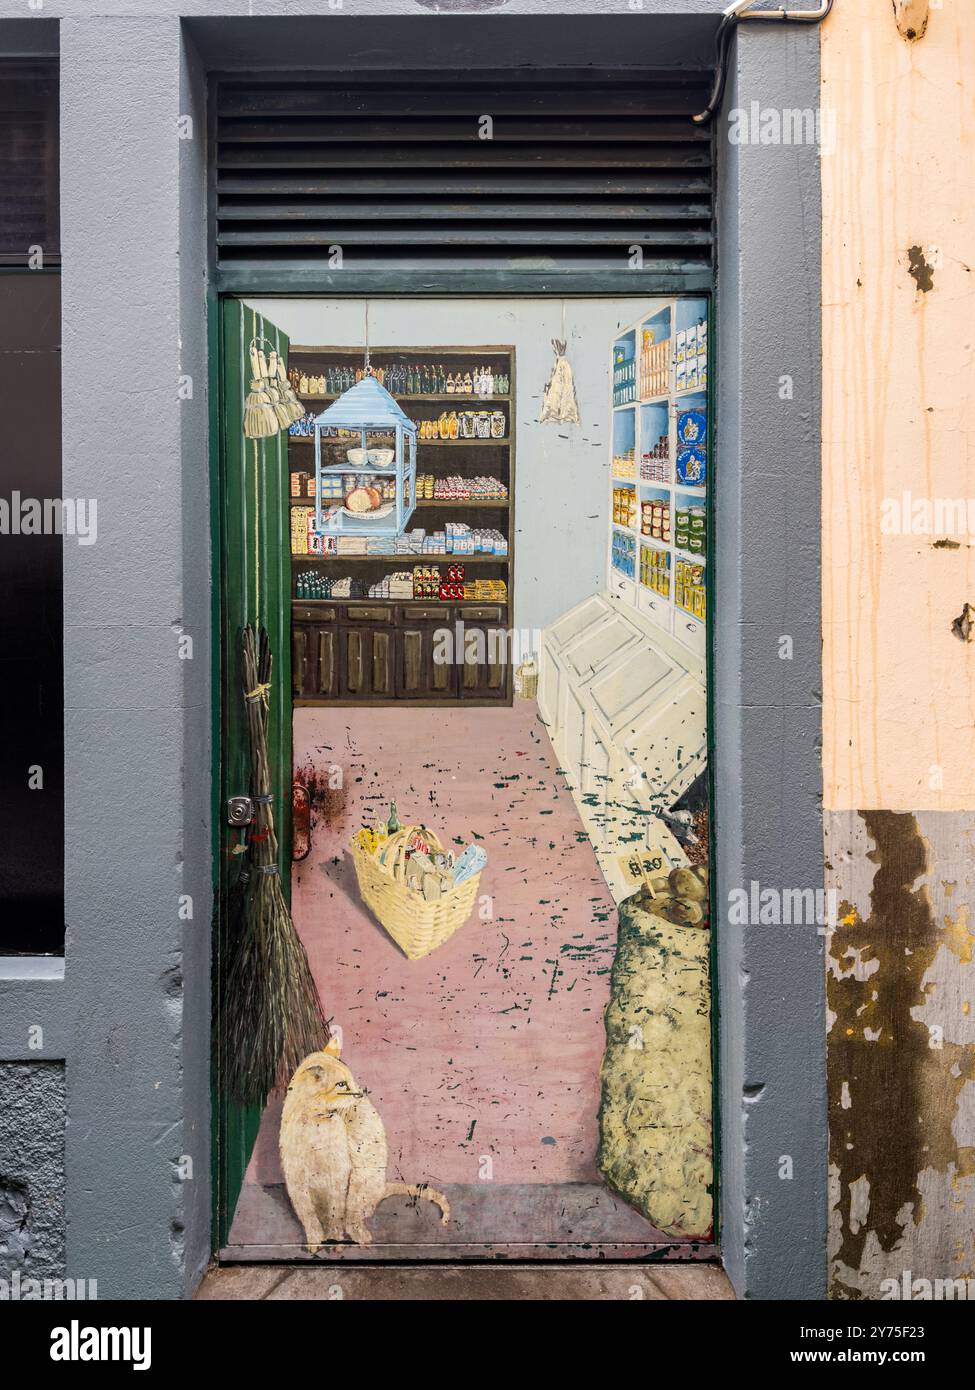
x: 274, y: 1017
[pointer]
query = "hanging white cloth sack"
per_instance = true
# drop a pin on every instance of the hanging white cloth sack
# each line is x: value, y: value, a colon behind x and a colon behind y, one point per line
x: 559, y: 405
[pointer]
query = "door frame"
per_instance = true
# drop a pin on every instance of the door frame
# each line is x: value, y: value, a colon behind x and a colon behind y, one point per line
x: 234, y: 1128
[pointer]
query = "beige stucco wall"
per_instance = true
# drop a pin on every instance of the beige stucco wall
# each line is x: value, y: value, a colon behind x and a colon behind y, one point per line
x: 899, y: 703
x: 898, y: 405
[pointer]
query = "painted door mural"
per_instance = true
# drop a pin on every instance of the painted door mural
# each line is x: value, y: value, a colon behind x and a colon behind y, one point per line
x: 484, y: 1028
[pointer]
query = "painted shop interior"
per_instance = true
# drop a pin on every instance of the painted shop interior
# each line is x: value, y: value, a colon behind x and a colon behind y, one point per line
x: 484, y: 1039
x: 494, y: 587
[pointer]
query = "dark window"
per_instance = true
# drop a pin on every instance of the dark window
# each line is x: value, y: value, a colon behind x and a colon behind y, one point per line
x: 29, y: 211
x: 32, y: 749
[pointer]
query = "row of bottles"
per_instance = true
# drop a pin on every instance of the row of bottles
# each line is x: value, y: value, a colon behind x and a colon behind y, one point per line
x: 469, y: 424
x: 405, y: 379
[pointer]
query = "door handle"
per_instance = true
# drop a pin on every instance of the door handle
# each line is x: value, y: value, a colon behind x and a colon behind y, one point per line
x: 240, y: 810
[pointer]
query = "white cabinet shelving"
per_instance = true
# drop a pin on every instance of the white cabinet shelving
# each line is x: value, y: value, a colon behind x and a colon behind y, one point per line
x: 660, y: 460
x: 622, y: 675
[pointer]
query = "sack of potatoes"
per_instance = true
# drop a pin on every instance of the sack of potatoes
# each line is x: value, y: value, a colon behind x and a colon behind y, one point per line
x: 681, y: 897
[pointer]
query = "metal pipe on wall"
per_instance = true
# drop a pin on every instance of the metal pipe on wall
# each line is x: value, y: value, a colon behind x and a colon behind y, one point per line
x: 736, y: 13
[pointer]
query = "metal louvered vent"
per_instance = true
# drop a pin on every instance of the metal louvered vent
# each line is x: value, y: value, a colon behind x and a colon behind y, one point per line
x: 523, y: 169
x: 29, y: 211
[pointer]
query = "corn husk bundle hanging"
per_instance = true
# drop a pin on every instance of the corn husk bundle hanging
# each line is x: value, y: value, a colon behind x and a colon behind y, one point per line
x: 260, y: 417
x: 273, y: 388
x: 272, y: 404
x: 272, y: 1012
x: 286, y: 391
x: 559, y: 404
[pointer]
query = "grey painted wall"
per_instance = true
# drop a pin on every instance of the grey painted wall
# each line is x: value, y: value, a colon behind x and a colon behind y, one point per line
x: 337, y: 10
x: 128, y: 1011
x: 128, y: 1008
x: 767, y: 718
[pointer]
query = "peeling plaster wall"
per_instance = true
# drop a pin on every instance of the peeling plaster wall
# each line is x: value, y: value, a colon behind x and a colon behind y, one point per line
x: 126, y: 956
x: 901, y: 1050
x: 899, y: 701
x: 31, y: 1170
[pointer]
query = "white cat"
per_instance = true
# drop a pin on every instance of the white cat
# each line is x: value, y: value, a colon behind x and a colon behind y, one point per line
x: 333, y: 1153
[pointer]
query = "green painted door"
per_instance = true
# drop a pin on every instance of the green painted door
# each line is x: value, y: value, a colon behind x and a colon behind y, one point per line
x: 252, y: 558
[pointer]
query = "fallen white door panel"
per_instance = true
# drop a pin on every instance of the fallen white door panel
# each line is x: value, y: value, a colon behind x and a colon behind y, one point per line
x: 626, y: 711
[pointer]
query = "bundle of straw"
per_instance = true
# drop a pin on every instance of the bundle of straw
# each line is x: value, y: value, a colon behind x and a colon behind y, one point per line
x: 279, y: 401
x: 273, y: 1016
x: 559, y: 404
x: 285, y: 390
x: 260, y: 417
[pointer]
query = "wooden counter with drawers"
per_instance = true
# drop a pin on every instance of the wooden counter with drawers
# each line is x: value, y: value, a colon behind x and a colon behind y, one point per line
x: 384, y: 651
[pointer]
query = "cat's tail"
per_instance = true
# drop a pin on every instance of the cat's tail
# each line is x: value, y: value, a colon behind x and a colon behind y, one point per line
x: 419, y: 1189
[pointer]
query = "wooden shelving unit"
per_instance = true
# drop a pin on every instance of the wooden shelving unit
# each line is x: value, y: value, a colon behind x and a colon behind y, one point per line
x: 312, y: 401
x: 346, y: 655
x: 468, y: 503
x: 427, y: 443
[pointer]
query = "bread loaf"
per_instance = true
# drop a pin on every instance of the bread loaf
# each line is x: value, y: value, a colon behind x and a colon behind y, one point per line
x: 363, y: 499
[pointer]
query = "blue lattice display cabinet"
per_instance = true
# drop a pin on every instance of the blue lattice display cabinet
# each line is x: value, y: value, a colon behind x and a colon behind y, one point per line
x: 352, y: 493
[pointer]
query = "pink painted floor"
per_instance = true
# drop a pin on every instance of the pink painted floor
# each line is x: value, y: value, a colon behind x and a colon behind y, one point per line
x: 486, y: 1052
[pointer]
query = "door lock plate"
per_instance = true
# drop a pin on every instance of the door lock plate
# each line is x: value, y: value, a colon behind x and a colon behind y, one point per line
x: 240, y: 810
